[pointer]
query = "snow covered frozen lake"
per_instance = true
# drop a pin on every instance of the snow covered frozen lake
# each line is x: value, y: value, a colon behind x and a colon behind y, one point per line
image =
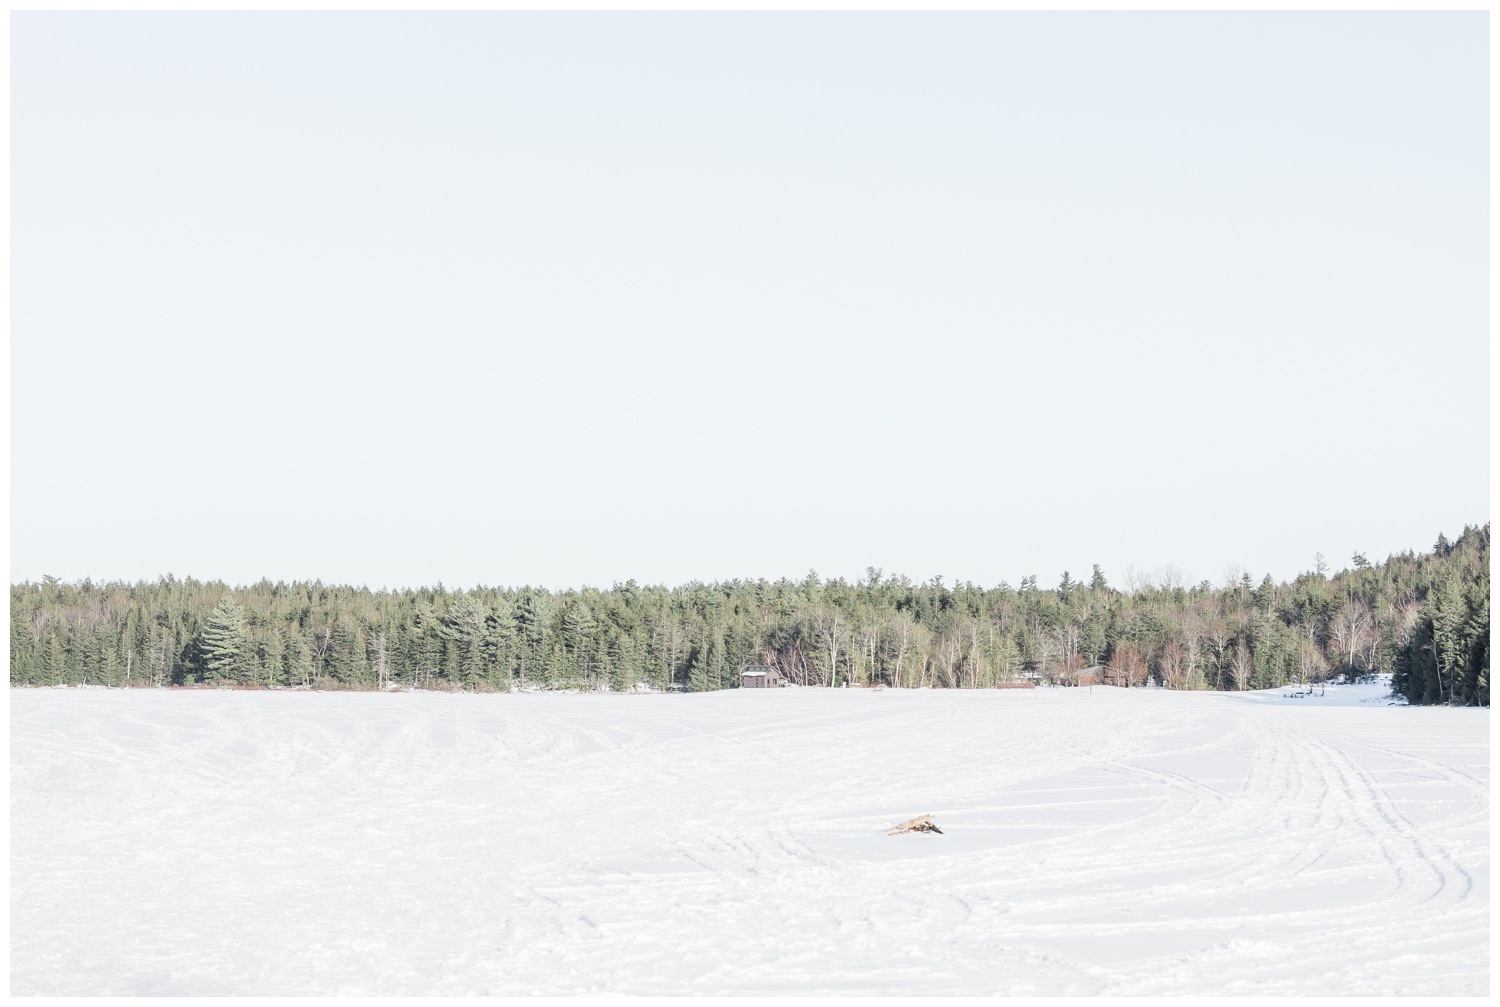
x: 1140, y: 842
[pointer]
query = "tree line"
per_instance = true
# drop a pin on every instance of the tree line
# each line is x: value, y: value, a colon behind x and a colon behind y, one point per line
x: 1424, y: 618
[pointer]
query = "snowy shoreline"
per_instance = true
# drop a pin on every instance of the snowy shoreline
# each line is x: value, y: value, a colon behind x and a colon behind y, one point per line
x: 1331, y: 694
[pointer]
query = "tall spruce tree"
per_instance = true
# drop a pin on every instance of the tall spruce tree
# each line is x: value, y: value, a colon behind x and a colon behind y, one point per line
x: 299, y: 662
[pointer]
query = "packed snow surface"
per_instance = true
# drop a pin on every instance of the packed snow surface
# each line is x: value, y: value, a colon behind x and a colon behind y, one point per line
x: 1104, y: 841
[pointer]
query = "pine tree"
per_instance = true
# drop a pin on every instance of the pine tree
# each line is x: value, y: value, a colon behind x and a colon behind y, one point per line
x: 299, y: 663
x: 56, y: 660
x: 500, y: 634
x: 1453, y: 636
x: 345, y: 661
x: 111, y: 669
x: 222, y: 643
x: 272, y: 657
x: 23, y: 654
x: 533, y: 617
x: 465, y: 626
x: 578, y: 623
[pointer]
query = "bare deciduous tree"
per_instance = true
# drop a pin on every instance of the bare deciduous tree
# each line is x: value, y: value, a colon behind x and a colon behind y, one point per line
x: 1219, y: 636
x: 1349, y: 632
x: 1311, y: 664
x: 1065, y: 638
x: 1126, y: 668
x: 1241, y: 666
x: 950, y: 653
x: 160, y: 658
x: 382, y: 661
x: 1173, y: 666
x: 830, y: 629
x: 903, y: 642
x: 321, y: 639
x: 1194, y: 629
x: 975, y: 661
x: 869, y: 651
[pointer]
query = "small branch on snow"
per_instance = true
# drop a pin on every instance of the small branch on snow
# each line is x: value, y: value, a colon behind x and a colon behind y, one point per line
x: 921, y: 824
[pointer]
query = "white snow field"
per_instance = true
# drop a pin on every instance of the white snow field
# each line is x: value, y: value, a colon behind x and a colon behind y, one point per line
x: 1104, y: 841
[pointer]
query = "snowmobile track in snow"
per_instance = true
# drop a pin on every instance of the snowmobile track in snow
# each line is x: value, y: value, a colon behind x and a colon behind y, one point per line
x: 1118, y: 842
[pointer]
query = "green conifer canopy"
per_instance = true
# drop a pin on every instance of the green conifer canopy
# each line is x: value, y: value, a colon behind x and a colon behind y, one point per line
x: 1423, y: 618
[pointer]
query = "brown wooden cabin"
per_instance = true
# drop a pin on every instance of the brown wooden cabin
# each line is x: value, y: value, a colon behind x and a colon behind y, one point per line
x: 1084, y: 676
x: 760, y: 676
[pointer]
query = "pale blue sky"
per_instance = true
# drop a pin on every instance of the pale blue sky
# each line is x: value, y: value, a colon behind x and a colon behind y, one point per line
x: 565, y: 299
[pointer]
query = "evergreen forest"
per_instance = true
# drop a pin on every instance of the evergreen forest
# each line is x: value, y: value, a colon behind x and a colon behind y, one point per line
x: 1423, y: 618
